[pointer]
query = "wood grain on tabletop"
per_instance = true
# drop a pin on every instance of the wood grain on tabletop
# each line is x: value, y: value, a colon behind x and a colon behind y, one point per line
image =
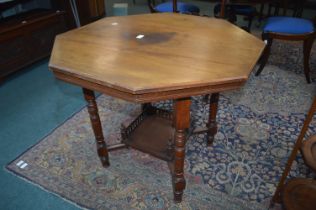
x: 177, y: 51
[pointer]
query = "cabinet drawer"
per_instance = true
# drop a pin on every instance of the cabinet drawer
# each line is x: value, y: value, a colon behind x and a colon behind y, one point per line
x: 13, y: 53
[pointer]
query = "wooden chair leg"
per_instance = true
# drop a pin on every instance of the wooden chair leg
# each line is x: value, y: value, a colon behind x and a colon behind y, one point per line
x: 269, y: 10
x: 260, y: 14
x: 297, y: 146
x: 212, y: 124
x: 308, y: 43
x: 250, y: 19
x: 266, y: 53
x: 277, y: 9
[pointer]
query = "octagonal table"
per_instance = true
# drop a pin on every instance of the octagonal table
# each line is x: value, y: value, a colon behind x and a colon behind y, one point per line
x: 152, y: 57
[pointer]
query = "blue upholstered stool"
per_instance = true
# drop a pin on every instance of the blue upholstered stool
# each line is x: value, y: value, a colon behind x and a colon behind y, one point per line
x: 288, y: 28
x: 181, y: 6
x: 288, y: 25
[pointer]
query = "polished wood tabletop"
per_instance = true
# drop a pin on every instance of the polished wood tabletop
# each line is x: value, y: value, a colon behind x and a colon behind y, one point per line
x: 178, y: 56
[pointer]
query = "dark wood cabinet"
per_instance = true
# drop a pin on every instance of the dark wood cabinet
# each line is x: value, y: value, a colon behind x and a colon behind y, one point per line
x: 29, y: 36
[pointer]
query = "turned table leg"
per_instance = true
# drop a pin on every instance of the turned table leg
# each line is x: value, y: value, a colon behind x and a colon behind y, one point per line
x: 181, y: 124
x: 212, y: 125
x: 97, y: 127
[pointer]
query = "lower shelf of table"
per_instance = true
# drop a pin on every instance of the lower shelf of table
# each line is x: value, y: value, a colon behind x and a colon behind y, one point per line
x: 152, y: 133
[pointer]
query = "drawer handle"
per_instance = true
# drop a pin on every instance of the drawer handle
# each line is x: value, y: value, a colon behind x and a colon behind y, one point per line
x: 24, y: 21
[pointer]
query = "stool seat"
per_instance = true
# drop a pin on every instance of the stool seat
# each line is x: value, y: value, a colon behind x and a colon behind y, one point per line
x: 300, y: 194
x: 181, y: 6
x: 288, y: 25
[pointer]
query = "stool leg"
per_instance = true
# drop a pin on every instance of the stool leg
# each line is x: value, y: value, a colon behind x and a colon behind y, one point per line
x: 266, y: 53
x: 249, y: 23
x: 212, y: 125
x: 260, y: 14
x: 308, y: 43
x: 269, y: 10
x: 297, y: 146
x: 97, y: 127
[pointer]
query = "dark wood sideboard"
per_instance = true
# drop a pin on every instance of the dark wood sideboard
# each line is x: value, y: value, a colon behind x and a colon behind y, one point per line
x: 29, y: 36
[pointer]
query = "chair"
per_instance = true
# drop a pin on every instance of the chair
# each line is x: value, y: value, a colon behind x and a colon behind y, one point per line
x: 233, y: 9
x: 181, y: 7
x: 295, y: 5
x: 288, y: 28
x: 299, y: 193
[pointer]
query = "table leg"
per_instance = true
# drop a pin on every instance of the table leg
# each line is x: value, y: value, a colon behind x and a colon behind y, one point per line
x: 96, y: 126
x: 212, y: 125
x: 181, y: 123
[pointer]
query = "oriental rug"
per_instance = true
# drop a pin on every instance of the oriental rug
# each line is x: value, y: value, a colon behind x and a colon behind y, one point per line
x: 258, y: 126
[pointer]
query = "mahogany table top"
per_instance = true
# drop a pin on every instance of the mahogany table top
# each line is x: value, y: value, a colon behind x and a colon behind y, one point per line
x: 178, y: 56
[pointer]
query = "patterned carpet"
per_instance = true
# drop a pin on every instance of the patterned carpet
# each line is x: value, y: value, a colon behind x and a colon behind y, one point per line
x: 257, y: 128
